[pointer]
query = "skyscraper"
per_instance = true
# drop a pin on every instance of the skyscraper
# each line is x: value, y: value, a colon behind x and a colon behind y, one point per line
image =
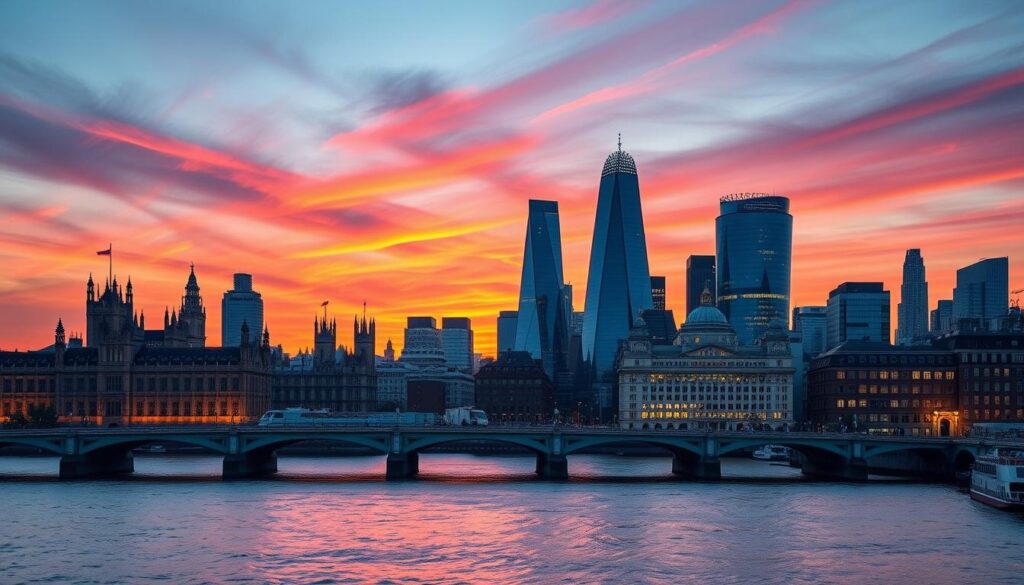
x: 619, y: 281
x: 423, y: 344
x: 753, y: 241
x: 658, y: 292
x: 700, y: 273
x: 507, y: 321
x: 812, y: 324
x: 240, y: 304
x: 858, y: 311
x: 912, y: 311
x: 457, y: 339
x: 982, y: 291
x: 543, y: 324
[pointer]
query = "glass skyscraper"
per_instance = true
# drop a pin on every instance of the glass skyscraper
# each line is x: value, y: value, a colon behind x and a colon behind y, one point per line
x: 858, y: 311
x: 982, y: 291
x: 542, y: 326
x: 240, y: 304
x: 753, y: 244
x: 700, y: 273
x: 619, y: 281
x: 507, y: 330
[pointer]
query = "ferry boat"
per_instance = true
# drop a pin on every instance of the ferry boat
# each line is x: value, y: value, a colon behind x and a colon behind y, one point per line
x: 772, y: 453
x: 997, y: 479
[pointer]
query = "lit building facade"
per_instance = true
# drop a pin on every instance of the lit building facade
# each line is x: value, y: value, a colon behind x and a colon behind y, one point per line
x: 858, y: 311
x: 240, y: 304
x: 754, y: 240
x: 658, y: 293
x: 706, y: 379
x: 912, y: 310
x: 619, y: 281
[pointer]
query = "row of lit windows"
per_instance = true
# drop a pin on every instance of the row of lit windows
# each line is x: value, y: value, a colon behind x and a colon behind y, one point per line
x: 682, y: 414
x: 895, y: 375
x: 927, y: 403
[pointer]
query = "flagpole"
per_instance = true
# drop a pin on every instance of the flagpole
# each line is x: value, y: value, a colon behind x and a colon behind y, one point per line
x: 110, y: 274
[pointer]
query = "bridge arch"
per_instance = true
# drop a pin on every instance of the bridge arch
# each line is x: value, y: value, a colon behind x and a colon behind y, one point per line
x: 52, y: 446
x: 536, y: 445
x: 123, y: 444
x: 266, y: 444
x: 809, y: 447
x: 674, y: 445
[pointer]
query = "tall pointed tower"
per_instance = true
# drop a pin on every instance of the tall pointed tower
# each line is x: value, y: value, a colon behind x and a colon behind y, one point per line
x: 325, y: 343
x: 365, y: 341
x: 192, y: 315
x: 619, y: 281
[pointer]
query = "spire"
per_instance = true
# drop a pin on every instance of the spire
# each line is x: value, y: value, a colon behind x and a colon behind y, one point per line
x: 620, y: 141
x: 58, y: 336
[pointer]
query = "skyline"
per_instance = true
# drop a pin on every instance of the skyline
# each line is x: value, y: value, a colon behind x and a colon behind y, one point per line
x: 340, y: 160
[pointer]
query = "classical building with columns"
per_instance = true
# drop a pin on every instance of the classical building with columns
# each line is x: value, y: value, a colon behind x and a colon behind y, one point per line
x: 705, y: 379
x: 124, y: 374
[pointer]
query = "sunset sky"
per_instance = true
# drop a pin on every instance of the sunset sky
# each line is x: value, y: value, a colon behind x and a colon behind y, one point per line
x: 385, y: 151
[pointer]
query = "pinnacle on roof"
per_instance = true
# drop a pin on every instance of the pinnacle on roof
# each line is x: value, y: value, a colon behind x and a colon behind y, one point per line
x: 619, y: 162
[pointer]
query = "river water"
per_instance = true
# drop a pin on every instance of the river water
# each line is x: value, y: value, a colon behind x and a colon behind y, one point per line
x: 488, y: 520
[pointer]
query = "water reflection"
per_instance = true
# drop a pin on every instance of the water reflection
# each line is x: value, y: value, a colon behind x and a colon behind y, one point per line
x: 179, y: 523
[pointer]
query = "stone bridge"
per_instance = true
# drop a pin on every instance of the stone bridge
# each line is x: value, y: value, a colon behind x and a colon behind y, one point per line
x: 251, y: 451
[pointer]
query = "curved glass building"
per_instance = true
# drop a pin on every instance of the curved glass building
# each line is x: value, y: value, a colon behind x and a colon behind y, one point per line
x: 542, y: 325
x: 754, y: 242
x: 619, y: 281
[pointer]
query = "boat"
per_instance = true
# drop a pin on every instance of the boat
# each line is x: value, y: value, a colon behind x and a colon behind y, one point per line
x: 997, y: 479
x: 772, y: 453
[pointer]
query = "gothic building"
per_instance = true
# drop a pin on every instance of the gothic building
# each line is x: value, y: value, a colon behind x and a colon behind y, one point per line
x: 127, y: 375
x: 336, y: 379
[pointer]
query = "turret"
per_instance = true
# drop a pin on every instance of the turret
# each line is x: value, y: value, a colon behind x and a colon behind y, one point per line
x: 129, y: 297
x: 58, y: 337
x: 90, y: 289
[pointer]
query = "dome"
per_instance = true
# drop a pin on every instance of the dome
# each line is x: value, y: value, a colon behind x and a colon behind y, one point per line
x: 619, y: 162
x: 705, y: 314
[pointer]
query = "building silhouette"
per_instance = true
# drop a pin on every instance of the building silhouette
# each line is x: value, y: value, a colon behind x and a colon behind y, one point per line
x: 515, y: 388
x: 507, y: 323
x: 700, y: 274
x: 542, y: 325
x: 754, y: 240
x: 239, y: 304
x: 912, y: 310
x: 942, y: 317
x: 619, y: 281
x: 858, y: 311
x: 982, y: 293
x: 658, y: 292
x: 812, y: 324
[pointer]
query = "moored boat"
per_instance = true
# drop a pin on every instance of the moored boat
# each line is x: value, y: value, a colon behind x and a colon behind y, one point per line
x: 997, y: 479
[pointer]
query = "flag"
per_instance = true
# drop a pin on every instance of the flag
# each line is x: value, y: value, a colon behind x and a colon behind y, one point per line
x: 324, y: 304
x: 104, y: 252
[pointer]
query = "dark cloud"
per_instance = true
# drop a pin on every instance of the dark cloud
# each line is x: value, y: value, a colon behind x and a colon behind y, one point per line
x: 395, y: 89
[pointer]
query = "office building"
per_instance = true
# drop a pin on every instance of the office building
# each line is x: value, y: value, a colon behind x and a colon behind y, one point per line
x: 858, y: 311
x: 423, y: 343
x: 753, y: 239
x: 507, y: 323
x: 942, y: 318
x: 912, y: 310
x: 542, y: 326
x: 982, y: 292
x: 619, y: 280
x: 700, y: 274
x: 457, y: 340
x: 239, y: 304
x: 812, y: 324
x: 515, y: 389
x: 658, y: 292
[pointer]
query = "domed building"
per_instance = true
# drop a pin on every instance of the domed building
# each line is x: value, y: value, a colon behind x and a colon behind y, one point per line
x: 705, y: 379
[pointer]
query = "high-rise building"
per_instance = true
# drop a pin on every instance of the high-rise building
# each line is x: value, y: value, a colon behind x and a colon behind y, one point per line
x: 507, y: 322
x: 457, y: 339
x: 753, y: 243
x: 912, y: 310
x: 240, y: 304
x: 812, y: 324
x: 658, y: 292
x: 619, y: 281
x: 700, y: 274
x: 858, y: 311
x: 942, y: 317
x: 982, y: 292
x: 543, y: 324
x: 423, y: 344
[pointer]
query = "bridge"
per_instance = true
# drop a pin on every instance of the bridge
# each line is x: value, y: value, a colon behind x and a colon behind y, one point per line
x: 252, y: 451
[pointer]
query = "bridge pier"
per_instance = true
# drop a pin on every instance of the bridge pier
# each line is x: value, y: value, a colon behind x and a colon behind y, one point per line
x: 246, y: 465
x: 695, y: 467
x: 552, y: 466
x: 403, y: 465
x: 96, y: 465
x: 844, y: 470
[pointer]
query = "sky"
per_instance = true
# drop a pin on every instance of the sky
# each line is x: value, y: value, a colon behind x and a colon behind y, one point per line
x: 385, y: 151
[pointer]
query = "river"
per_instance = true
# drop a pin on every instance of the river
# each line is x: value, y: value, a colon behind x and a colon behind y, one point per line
x: 478, y: 519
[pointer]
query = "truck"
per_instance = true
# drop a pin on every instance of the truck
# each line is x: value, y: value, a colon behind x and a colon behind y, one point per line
x: 465, y: 416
